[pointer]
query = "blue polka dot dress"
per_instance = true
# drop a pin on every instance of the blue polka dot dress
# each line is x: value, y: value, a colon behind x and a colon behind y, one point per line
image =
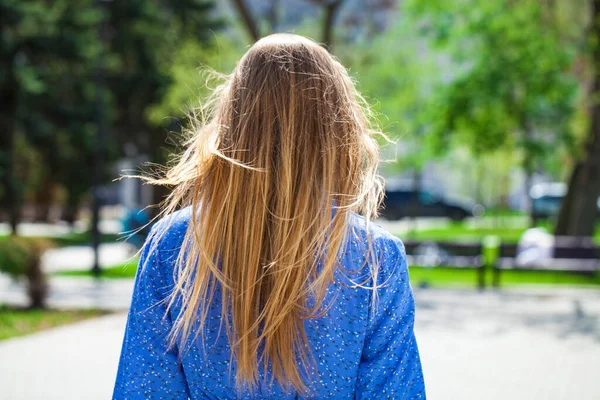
x: 363, y: 346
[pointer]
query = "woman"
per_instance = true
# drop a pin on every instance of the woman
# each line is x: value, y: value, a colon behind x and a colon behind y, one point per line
x: 267, y: 283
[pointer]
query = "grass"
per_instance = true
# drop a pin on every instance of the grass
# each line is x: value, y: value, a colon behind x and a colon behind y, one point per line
x: 20, y: 321
x: 84, y: 238
x: 439, y: 276
x: 444, y: 277
x: 459, y: 231
x: 78, y: 239
x: 126, y: 270
x: 504, y: 212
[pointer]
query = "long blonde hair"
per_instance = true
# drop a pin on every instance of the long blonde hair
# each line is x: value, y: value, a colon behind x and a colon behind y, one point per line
x: 271, y: 177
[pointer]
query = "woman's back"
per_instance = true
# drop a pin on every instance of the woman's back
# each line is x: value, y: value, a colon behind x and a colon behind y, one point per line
x: 269, y: 284
x: 358, y: 352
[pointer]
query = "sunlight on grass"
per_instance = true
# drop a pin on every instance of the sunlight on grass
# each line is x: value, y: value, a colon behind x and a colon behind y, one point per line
x: 442, y: 277
x: 126, y: 270
x: 461, y: 231
x: 19, y: 321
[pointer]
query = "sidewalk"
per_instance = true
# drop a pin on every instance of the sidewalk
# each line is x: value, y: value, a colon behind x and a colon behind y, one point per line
x: 527, y: 343
x: 75, y: 362
x: 74, y: 292
x: 518, y: 344
x: 82, y: 257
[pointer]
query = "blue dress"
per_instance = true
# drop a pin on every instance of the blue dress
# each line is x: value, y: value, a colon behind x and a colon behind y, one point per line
x: 360, y: 352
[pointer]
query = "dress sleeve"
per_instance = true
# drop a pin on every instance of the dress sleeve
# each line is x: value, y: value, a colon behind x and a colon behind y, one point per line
x: 148, y: 369
x: 390, y: 366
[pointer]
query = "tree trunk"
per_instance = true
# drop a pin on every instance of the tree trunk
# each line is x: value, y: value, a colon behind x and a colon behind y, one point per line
x: 44, y: 199
x: 578, y: 212
x: 8, y: 99
x: 331, y: 11
x: 69, y: 213
x: 249, y: 21
x: 413, y: 205
x: 37, y: 284
x: 528, y: 200
x: 273, y: 16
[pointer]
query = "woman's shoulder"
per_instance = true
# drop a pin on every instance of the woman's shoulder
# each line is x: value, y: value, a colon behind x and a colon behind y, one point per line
x: 380, y: 237
x: 168, y: 232
x: 386, y: 249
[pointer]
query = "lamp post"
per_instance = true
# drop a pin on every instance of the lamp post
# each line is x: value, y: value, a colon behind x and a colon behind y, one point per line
x: 98, y: 167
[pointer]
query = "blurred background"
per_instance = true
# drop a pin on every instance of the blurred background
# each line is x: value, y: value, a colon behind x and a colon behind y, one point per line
x: 493, y: 179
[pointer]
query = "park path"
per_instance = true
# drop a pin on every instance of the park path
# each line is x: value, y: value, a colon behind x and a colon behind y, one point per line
x: 73, y: 292
x: 72, y: 362
x: 78, y: 258
x: 525, y: 343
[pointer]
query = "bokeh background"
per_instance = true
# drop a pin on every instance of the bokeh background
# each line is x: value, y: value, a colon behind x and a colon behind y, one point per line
x: 493, y: 173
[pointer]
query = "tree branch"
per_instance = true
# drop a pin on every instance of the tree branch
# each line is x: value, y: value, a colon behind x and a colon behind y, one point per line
x: 249, y: 21
x: 331, y: 11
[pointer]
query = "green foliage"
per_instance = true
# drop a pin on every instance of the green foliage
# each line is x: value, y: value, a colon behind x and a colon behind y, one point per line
x: 21, y: 257
x: 19, y: 254
x: 147, y: 38
x: 397, y: 77
x: 50, y: 54
x: 195, y: 70
x: 510, y: 84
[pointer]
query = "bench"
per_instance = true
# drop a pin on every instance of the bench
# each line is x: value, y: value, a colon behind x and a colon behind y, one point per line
x: 569, y: 254
x: 460, y: 255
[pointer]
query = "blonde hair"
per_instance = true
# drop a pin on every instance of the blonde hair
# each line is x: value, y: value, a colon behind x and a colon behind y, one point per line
x: 271, y: 177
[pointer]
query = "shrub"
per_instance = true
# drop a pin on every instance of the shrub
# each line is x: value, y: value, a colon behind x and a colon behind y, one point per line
x: 20, y: 257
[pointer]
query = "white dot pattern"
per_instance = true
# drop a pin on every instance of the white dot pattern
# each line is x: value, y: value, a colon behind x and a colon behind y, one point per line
x: 360, y: 352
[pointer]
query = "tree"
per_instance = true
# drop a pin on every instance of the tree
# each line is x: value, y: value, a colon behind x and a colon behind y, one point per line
x: 48, y: 53
x: 39, y: 43
x: 577, y: 216
x: 511, y: 83
x: 21, y: 258
x: 330, y: 10
x: 143, y: 41
x: 397, y: 80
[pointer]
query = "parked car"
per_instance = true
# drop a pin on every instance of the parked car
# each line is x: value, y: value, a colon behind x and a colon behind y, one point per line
x: 546, y: 199
x: 409, y: 203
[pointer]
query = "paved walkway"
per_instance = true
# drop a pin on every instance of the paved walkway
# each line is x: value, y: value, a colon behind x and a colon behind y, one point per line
x: 73, y: 292
x: 521, y: 344
x: 76, y: 362
x: 517, y: 344
x: 60, y: 229
x: 82, y: 257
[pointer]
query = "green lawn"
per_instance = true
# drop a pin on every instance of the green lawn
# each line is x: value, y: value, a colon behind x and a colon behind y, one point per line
x: 443, y: 277
x: 437, y: 276
x: 126, y: 270
x: 458, y: 231
x: 18, y: 321
x: 79, y: 239
x: 503, y: 212
x: 84, y: 238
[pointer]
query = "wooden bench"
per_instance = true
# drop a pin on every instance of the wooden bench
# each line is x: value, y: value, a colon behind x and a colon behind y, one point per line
x: 460, y: 255
x: 569, y: 254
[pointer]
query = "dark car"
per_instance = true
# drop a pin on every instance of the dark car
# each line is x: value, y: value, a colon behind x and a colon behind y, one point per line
x: 409, y: 203
x: 546, y: 199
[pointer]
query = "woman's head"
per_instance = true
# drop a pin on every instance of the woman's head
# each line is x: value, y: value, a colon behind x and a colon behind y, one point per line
x: 271, y: 177
x: 291, y: 110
